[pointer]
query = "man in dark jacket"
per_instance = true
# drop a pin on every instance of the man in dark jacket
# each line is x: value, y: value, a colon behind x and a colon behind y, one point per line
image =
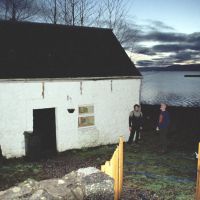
x: 163, y: 126
x: 135, y: 124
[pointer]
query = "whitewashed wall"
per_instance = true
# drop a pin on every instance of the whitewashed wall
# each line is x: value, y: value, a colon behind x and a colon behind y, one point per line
x: 112, y: 105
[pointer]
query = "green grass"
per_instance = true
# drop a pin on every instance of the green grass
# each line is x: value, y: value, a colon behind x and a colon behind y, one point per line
x: 12, y: 169
x: 171, y: 175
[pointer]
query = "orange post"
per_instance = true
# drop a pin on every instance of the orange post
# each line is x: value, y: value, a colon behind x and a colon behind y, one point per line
x: 198, y: 176
x: 121, y: 164
x: 114, y: 168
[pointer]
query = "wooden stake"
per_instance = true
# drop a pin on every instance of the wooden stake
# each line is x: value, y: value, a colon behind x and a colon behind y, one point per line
x: 198, y: 176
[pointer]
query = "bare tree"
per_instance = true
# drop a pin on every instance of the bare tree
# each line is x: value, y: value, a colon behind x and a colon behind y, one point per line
x: 72, y: 11
x: 18, y: 10
x: 87, y: 11
x: 65, y: 14
x: 113, y: 14
x: 106, y: 13
x: 50, y: 11
x: 76, y: 12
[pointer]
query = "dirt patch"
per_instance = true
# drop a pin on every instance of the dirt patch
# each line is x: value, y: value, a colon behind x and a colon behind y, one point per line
x: 13, y: 171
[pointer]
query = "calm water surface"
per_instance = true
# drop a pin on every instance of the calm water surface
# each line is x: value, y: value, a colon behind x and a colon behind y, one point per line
x: 171, y: 87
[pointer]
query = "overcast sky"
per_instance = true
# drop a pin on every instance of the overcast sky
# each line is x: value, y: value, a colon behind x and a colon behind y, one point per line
x: 168, y: 31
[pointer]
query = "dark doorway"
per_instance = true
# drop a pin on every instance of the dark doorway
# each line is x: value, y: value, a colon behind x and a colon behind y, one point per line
x: 44, y: 128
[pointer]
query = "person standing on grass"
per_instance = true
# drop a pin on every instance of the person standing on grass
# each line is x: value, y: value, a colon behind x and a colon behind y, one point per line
x: 140, y: 109
x: 163, y: 126
x: 135, y: 124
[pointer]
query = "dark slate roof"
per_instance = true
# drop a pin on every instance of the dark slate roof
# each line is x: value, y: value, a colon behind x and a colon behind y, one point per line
x: 36, y: 50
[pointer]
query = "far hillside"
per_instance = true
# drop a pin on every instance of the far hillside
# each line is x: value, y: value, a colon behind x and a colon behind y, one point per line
x: 193, y: 67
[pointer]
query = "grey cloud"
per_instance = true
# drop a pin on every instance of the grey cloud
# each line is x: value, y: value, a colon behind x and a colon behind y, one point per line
x: 195, y: 46
x: 194, y: 37
x: 185, y: 56
x: 184, y: 47
x: 169, y: 47
x: 144, y: 50
x: 157, y: 62
x: 179, y: 57
x: 182, y: 56
x: 176, y: 47
x: 168, y: 37
x: 163, y: 37
x: 145, y: 63
x: 156, y: 25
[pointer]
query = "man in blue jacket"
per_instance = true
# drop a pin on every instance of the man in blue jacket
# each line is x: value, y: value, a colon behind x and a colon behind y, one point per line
x: 163, y: 126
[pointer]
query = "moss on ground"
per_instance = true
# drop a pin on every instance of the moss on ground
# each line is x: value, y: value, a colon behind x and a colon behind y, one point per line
x: 169, y: 176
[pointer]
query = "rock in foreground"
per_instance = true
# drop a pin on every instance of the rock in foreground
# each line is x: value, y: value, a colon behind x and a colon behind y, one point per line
x: 83, y: 184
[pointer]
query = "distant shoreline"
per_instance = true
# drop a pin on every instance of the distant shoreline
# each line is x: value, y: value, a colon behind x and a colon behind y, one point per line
x: 194, y: 67
x: 188, y: 75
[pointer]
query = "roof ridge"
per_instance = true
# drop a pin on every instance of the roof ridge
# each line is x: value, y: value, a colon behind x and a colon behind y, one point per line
x: 53, y: 25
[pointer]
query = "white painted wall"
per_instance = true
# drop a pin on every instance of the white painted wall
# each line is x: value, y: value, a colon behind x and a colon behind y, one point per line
x: 18, y: 99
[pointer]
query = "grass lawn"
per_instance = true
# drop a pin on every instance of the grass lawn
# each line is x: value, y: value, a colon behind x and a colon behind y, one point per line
x: 147, y: 173
x: 168, y: 176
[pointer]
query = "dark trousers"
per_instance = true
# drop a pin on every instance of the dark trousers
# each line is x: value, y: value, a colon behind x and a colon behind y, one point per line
x: 132, y: 133
x: 163, y: 139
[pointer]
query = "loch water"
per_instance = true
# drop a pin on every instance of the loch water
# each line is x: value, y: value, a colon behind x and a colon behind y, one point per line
x: 171, y: 87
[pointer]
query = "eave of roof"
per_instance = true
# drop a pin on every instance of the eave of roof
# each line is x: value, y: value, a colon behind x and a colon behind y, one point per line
x: 69, y: 79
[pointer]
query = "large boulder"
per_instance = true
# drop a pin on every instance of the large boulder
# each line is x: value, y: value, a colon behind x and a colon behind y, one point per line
x: 96, y: 184
x: 21, y: 191
x: 83, y: 184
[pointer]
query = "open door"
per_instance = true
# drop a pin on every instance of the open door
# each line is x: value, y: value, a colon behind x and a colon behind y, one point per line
x: 44, y: 127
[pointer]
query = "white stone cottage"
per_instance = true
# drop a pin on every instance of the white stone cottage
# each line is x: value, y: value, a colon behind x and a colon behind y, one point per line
x: 73, y: 87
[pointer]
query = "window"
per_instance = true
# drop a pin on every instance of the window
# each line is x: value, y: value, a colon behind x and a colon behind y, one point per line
x: 86, y: 116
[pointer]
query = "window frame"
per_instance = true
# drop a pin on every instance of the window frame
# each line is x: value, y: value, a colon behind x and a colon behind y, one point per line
x: 82, y: 115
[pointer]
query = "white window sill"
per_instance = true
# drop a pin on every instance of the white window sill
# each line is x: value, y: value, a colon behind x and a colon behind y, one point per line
x: 87, y: 127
